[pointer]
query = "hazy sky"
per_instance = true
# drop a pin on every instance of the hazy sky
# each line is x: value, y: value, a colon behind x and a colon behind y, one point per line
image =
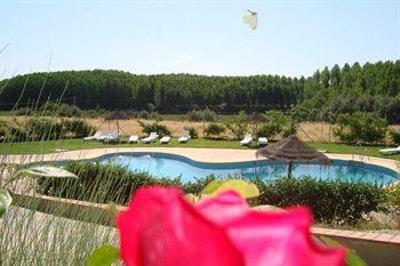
x: 205, y: 37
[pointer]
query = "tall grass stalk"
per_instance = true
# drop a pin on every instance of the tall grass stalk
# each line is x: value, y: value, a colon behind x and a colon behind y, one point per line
x: 31, y: 236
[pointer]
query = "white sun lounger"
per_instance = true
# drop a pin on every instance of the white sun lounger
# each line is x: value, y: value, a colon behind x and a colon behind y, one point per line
x: 107, y: 135
x: 94, y: 137
x: 185, y: 137
x: 390, y: 150
x: 262, y: 141
x: 111, y: 138
x: 152, y: 137
x: 165, y: 140
x: 133, y: 139
x: 246, y: 140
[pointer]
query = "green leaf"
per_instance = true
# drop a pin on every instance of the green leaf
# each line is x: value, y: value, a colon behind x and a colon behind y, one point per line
x: 105, y: 255
x: 244, y: 188
x: 352, y: 259
x: 5, y: 201
x: 47, y: 171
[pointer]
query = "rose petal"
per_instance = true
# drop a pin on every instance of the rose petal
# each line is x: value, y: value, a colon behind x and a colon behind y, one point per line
x: 269, y: 238
x: 281, y: 238
x: 160, y: 228
x: 224, y: 208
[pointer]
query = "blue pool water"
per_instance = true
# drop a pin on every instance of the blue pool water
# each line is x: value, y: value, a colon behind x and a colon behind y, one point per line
x: 169, y: 165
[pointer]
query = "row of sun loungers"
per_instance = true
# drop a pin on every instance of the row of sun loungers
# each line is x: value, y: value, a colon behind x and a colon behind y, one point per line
x: 153, y: 136
x: 248, y: 139
x: 110, y: 137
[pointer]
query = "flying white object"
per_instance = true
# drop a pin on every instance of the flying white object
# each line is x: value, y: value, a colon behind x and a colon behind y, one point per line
x: 250, y: 18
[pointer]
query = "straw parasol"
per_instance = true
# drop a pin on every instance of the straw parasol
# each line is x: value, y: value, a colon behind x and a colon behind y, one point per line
x: 116, y: 116
x: 292, y: 150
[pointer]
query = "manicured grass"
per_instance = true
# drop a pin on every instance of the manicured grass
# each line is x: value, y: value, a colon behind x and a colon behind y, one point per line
x: 78, y: 144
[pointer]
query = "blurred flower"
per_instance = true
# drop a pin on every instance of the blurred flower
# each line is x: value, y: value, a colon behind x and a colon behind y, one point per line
x: 161, y: 228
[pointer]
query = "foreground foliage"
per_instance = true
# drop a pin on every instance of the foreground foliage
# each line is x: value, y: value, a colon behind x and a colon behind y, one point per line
x: 332, y: 201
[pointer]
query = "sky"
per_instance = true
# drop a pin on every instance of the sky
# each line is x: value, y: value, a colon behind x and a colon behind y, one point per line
x: 293, y: 38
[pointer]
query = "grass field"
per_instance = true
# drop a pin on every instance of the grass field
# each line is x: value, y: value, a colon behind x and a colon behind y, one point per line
x: 78, y: 144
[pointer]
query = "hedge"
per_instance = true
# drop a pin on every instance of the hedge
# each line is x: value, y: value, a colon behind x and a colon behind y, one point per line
x: 332, y: 201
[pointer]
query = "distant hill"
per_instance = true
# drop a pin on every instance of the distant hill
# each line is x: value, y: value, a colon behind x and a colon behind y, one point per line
x: 111, y: 89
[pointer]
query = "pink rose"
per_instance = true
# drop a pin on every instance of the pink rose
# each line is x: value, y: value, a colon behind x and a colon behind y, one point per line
x: 161, y: 228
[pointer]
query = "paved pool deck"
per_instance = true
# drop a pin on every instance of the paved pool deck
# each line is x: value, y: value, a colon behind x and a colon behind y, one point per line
x: 196, y: 154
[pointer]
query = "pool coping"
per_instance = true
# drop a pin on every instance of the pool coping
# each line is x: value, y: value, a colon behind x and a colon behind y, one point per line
x: 205, y: 155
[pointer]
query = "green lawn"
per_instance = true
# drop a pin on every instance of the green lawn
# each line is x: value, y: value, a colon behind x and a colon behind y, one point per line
x: 77, y: 144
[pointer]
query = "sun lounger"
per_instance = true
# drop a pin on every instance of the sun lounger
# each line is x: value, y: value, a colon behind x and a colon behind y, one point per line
x: 390, y: 150
x: 111, y: 138
x: 185, y: 137
x: 95, y: 136
x: 133, y: 139
x: 152, y: 137
x: 246, y: 140
x: 106, y: 135
x: 262, y: 141
x: 165, y: 140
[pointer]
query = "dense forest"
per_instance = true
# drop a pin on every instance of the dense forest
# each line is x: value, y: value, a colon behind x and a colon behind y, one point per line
x: 350, y: 88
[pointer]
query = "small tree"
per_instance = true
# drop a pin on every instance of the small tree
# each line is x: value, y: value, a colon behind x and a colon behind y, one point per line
x: 278, y: 124
x: 360, y: 128
x: 395, y: 136
x: 214, y: 130
x: 161, y: 130
x: 238, y: 125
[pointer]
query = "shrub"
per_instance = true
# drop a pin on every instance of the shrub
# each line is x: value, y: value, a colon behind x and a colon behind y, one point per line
x: 35, y: 129
x: 238, y: 125
x: 214, y: 130
x: 205, y: 115
x: 395, y: 136
x: 194, y: 116
x: 60, y: 109
x: 192, y: 132
x: 143, y: 114
x: 78, y: 127
x: 105, y: 183
x: 43, y: 129
x: 332, y: 201
x: 209, y: 115
x: 278, y: 124
x: 360, y: 128
x: 161, y: 130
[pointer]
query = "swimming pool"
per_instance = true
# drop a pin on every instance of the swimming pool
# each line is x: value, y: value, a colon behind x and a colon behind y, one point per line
x: 170, y: 165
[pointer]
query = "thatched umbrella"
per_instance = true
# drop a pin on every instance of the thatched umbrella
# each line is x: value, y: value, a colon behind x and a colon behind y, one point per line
x: 292, y: 150
x: 116, y: 116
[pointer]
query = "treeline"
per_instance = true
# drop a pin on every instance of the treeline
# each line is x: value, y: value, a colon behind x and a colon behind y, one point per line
x: 373, y: 88
x: 370, y: 87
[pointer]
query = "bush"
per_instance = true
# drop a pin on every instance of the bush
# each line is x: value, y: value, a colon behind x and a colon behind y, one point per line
x: 395, y: 136
x: 278, y: 124
x: 238, y: 125
x: 43, y: 129
x: 332, y: 201
x: 214, y: 130
x: 103, y: 183
x: 79, y: 128
x: 205, y: 115
x: 192, y: 132
x: 143, y: 114
x: 161, y: 130
x: 38, y: 129
x: 60, y: 109
x: 360, y: 128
